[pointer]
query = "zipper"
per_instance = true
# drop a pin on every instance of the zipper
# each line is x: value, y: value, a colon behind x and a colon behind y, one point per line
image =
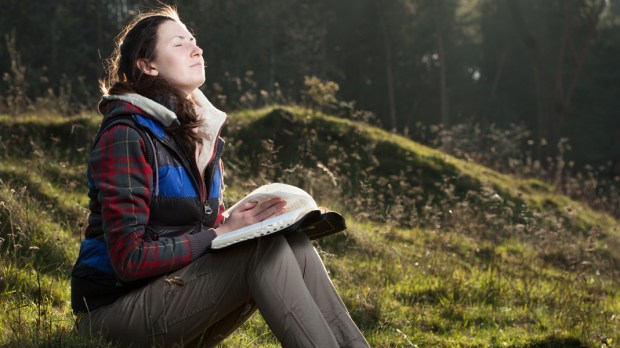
x: 219, y: 148
x: 192, y: 168
x: 197, y: 179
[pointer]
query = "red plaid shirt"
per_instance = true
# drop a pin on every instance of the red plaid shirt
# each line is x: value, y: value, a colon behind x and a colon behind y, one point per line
x: 124, y: 178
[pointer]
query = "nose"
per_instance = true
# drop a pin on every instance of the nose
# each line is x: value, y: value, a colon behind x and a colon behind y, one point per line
x: 197, y: 51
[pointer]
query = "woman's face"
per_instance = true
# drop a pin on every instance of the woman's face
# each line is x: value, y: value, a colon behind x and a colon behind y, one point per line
x: 178, y: 59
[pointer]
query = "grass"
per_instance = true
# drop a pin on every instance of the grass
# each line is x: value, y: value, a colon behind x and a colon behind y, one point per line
x: 439, y: 252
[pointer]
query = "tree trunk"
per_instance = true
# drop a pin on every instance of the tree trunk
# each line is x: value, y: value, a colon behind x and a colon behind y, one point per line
x: 443, y: 75
x: 98, y: 23
x: 533, y: 47
x: 580, y: 59
x: 389, y: 71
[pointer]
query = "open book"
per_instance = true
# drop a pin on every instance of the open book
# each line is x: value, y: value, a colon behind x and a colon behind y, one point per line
x: 301, y: 213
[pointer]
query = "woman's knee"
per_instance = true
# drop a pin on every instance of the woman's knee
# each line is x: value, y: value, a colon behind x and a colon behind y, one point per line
x: 302, y: 247
x: 299, y: 243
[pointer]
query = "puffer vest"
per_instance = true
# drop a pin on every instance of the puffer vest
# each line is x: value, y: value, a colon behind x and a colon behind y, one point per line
x: 176, y: 208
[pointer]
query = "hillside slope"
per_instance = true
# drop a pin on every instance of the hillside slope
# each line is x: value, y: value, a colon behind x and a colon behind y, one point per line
x: 439, y: 252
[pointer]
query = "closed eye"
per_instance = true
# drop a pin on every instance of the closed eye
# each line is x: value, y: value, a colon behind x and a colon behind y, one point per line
x: 180, y: 40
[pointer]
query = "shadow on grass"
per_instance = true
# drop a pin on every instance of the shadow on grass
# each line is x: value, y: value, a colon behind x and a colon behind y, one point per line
x: 556, y: 342
x: 66, y: 141
x: 36, y: 243
x: 58, y: 212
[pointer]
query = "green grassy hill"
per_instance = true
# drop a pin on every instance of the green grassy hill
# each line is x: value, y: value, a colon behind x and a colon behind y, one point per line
x: 439, y: 252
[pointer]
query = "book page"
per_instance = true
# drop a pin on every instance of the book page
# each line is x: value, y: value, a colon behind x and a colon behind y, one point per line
x: 295, y: 197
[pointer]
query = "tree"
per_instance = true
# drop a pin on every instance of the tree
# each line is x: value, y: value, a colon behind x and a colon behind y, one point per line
x: 550, y: 40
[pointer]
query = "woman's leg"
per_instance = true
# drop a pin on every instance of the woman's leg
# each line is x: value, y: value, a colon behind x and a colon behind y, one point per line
x: 283, y: 299
x: 323, y: 292
x: 182, y: 306
x: 178, y: 307
x: 223, y: 328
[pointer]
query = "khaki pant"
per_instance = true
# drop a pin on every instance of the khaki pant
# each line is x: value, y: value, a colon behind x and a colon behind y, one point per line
x: 204, y: 302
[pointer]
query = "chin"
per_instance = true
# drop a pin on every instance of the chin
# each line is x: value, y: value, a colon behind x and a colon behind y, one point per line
x: 188, y: 89
x: 199, y: 82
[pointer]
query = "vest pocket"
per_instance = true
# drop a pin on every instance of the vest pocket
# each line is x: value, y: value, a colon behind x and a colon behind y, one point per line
x: 157, y: 232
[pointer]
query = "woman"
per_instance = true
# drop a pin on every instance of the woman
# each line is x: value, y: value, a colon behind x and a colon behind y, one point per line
x: 146, y: 274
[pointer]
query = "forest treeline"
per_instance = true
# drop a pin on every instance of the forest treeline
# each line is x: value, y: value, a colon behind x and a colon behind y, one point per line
x: 539, y: 73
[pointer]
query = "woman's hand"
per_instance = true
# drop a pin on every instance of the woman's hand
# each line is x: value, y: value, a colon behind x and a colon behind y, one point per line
x: 251, y: 213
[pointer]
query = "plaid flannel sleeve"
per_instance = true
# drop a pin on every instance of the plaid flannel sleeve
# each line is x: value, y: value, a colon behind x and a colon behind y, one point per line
x: 124, y: 179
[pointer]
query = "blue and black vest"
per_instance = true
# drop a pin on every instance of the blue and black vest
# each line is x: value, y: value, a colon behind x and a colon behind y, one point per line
x: 176, y: 208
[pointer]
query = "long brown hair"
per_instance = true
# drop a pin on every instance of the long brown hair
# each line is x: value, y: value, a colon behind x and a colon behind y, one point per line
x: 138, y: 40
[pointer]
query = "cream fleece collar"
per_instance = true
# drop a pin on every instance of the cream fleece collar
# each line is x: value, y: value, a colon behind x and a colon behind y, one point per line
x: 213, y: 119
x: 154, y: 109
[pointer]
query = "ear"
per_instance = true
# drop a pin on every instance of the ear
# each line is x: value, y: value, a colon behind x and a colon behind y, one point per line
x: 147, y: 67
